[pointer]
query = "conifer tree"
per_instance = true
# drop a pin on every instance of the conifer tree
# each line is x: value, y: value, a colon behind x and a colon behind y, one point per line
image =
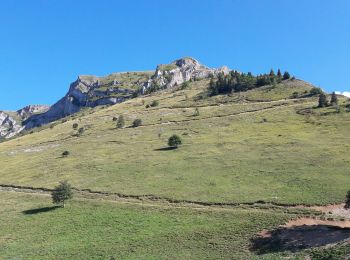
x: 334, y: 99
x: 322, y: 100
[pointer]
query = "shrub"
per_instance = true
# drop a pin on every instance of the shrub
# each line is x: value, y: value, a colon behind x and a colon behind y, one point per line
x: 196, y: 112
x: 316, y: 91
x: 154, y: 103
x: 75, y: 125
x: 65, y: 153
x: 295, y: 94
x: 185, y: 85
x: 137, y: 122
x: 121, y: 122
x: 61, y: 193
x: 174, y: 141
x: 115, y: 118
x: 81, y: 130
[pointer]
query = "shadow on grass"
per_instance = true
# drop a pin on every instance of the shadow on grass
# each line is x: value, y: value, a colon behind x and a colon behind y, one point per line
x: 298, y: 238
x: 166, y: 148
x: 39, y: 210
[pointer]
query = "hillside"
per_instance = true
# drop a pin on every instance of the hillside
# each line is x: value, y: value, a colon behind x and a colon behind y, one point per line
x: 266, y: 145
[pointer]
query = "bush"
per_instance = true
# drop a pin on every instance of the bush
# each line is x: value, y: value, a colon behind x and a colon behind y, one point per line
x: 115, y: 118
x: 154, y: 103
x: 121, y: 122
x: 174, y: 141
x: 185, y: 85
x: 81, y: 130
x: 75, y: 125
x: 295, y: 94
x: 196, y: 112
x: 65, y: 153
x: 316, y: 91
x: 61, y: 193
x: 137, y: 122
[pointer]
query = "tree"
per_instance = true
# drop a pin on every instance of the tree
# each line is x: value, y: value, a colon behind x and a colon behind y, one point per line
x: 272, y: 73
x: 279, y: 74
x: 61, y: 193
x: 120, y: 122
x: 137, y: 122
x: 75, y: 125
x: 334, y: 99
x: 286, y: 75
x: 322, y: 100
x: 347, y: 202
x: 174, y: 141
x: 81, y: 130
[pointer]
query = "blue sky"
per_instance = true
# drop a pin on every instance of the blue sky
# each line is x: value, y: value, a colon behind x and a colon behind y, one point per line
x: 46, y: 44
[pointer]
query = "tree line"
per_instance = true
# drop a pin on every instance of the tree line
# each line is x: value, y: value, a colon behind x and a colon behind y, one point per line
x: 236, y: 81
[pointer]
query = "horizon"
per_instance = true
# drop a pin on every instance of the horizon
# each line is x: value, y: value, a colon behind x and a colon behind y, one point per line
x: 50, y: 44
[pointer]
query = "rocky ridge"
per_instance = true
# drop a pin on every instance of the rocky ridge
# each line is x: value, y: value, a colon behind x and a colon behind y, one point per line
x: 91, y: 91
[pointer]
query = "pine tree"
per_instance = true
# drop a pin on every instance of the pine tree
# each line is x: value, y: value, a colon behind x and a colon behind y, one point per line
x: 286, y: 75
x: 272, y: 73
x: 334, y: 99
x: 322, y: 100
x: 279, y: 74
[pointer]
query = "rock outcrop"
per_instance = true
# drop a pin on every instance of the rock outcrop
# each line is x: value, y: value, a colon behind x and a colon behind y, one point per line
x: 91, y: 91
x: 9, y: 127
x: 180, y: 71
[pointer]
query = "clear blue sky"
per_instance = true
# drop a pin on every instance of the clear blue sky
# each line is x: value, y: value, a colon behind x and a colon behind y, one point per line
x: 46, y: 44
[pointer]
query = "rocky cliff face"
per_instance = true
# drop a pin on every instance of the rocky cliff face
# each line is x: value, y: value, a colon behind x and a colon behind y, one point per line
x: 11, y: 122
x: 180, y: 71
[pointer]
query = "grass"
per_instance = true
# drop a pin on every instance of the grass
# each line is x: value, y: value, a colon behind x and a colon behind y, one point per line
x: 273, y: 154
x: 88, y: 229
x: 260, y: 145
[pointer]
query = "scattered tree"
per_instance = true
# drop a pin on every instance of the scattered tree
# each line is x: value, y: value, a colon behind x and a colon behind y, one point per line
x: 120, y: 122
x: 75, y: 125
x: 174, y: 141
x: 286, y: 75
x: 272, y: 73
x: 61, y: 193
x: 137, y: 122
x: 334, y: 99
x: 65, y: 153
x: 279, y: 74
x: 322, y: 100
x: 115, y: 118
x: 347, y: 202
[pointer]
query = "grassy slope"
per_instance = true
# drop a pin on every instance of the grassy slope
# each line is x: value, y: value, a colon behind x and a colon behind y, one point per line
x: 226, y: 156
x: 95, y: 229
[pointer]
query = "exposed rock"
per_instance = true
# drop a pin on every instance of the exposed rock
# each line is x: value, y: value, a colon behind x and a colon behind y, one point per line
x: 8, y: 126
x: 30, y: 110
x: 180, y: 71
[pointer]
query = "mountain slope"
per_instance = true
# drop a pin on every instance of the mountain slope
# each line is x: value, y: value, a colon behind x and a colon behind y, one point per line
x: 242, y: 147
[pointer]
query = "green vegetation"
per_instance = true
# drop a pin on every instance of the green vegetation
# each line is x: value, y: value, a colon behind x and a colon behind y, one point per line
x: 121, y: 122
x: 137, y: 122
x: 62, y: 193
x: 322, y: 100
x: 265, y: 144
x: 65, y: 153
x: 237, y: 82
x: 174, y: 141
x: 334, y: 99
